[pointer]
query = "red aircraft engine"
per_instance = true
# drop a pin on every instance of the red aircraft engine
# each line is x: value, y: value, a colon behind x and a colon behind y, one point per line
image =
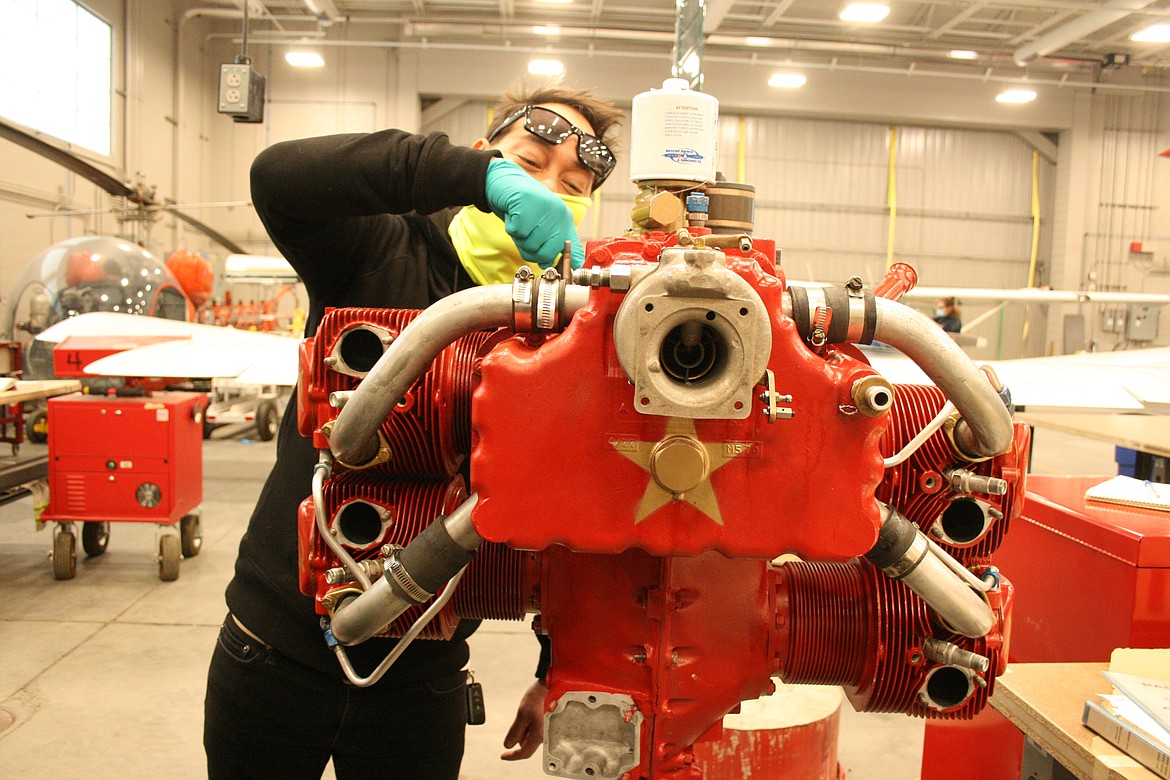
x: 684, y: 467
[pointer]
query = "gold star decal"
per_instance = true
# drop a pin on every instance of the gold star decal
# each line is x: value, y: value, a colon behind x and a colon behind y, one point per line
x: 680, y: 467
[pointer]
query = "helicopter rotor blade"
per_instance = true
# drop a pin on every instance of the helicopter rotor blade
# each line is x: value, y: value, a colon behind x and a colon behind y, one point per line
x: 107, y: 182
x: 67, y: 160
x: 210, y: 232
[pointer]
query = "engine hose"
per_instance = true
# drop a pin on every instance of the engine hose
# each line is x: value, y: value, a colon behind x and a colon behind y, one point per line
x: 413, y: 575
x: 985, y: 429
x: 353, y: 439
x: 400, y: 646
x: 904, y: 553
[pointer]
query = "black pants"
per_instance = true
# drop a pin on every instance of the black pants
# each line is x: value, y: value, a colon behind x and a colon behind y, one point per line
x: 266, y: 716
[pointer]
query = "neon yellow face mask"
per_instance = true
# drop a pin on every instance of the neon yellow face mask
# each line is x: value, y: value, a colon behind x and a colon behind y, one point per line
x: 485, y: 248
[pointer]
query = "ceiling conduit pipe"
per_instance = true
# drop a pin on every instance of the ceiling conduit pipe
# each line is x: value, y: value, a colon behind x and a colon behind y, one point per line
x: 1113, y: 11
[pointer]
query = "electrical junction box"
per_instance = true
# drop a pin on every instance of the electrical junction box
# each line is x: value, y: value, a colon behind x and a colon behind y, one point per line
x: 1142, y: 324
x: 241, y: 92
x: 1113, y: 319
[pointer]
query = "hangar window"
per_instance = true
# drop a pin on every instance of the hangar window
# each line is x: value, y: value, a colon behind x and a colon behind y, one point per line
x: 56, y: 59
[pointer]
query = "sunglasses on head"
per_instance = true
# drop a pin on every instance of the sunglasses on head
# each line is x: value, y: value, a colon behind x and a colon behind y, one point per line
x: 551, y: 127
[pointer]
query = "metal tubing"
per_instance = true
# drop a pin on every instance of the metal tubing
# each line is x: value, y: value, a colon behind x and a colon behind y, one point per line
x: 352, y: 440
x: 986, y: 427
x: 948, y: 595
x: 904, y: 553
x: 321, y: 472
x: 359, y: 618
x: 403, y: 643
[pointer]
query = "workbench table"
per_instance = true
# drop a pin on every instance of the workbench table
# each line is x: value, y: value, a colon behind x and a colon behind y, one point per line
x: 1045, y: 701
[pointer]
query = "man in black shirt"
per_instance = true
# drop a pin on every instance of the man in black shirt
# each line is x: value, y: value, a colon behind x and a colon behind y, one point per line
x: 395, y: 220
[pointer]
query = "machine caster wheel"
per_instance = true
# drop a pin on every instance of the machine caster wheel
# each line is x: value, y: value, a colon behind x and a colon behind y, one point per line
x: 190, y: 535
x: 267, y: 420
x: 64, y: 555
x: 37, y: 428
x: 169, y: 556
x: 95, y: 538
x: 208, y: 427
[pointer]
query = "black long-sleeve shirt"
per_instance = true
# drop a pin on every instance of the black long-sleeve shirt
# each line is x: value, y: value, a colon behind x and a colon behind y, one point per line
x: 363, y: 219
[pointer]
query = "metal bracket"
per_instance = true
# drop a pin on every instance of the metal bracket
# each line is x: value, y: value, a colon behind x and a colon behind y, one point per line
x: 772, y: 400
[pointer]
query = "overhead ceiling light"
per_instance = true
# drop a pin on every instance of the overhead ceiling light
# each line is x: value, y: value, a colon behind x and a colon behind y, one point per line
x: 562, y: 2
x: 787, y: 80
x: 1015, y: 96
x: 547, y: 29
x: 304, y: 59
x: 962, y: 54
x: 1155, y: 33
x: 752, y: 40
x: 868, y: 13
x: 546, y: 67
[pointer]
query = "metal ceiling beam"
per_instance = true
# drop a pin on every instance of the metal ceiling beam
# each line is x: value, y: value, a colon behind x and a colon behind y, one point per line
x: 1078, y: 28
x: 956, y: 20
x: 325, y: 10
x: 1038, y: 142
x: 688, y: 43
x: 715, y: 14
x: 778, y: 12
x: 1044, y: 25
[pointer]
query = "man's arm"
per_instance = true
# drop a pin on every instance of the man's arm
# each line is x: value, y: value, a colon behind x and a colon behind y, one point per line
x: 325, y: 201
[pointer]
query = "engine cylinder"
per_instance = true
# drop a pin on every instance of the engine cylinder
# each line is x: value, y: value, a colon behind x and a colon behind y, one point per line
x: 429, y: 432
x: 847, y: 624
x: 967, y: 526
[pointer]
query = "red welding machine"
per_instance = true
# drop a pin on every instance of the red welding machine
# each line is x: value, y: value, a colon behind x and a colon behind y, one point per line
x: 125, y: 459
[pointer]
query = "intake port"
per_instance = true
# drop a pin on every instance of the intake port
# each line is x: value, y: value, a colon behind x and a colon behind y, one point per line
x: 360, y: 349
x: 965, y: 521
x: 693, y: 352
x: 361, y: 524
x: 946, y: 687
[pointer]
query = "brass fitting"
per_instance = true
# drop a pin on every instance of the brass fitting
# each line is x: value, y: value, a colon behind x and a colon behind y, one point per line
x: 873, y: 395
x: 658, y: 210
x: 380, y: 456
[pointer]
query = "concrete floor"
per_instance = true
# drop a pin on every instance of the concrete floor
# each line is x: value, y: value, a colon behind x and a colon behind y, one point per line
x: 103, y: 676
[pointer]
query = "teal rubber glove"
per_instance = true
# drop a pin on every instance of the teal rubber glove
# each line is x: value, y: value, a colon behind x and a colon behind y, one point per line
x: 535, y: 217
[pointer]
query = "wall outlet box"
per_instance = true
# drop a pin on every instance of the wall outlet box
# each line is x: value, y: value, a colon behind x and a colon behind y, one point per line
x: 241, y: 92
x: 1142, y: 324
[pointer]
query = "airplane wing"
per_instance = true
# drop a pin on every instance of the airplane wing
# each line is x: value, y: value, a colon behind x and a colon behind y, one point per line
x: 1128, y: 381
x: 192, y: 350
x: 1017, y: 295
x: 258, y: 267
x: 1032, y: 295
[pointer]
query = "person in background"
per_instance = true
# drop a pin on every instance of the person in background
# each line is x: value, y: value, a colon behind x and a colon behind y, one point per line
x: 385, y: 219
x: 947, y: 314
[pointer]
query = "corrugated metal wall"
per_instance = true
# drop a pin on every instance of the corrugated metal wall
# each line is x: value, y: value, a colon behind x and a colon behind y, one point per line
x: 963, y: 203
x: 1127, y: 212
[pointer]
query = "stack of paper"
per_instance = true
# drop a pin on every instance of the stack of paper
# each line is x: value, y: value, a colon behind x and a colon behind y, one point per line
x: 1131, y: 492
x: 1137, y: 718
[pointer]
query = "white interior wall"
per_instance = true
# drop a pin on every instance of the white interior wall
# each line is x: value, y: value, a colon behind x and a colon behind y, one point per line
x: 964, y: 198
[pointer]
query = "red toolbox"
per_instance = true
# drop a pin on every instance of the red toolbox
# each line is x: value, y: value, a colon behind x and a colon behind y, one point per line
x: 125, y: 459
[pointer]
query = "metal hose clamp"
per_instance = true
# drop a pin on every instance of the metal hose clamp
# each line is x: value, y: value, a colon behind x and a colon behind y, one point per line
x: 402, y: 578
